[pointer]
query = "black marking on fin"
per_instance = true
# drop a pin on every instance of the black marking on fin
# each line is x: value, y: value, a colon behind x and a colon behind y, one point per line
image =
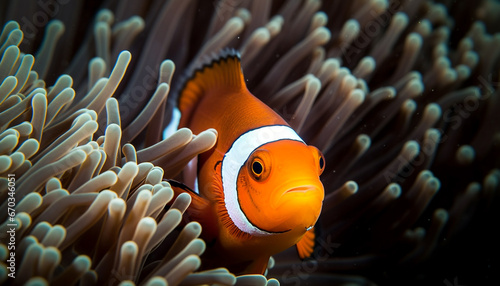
x: 217, y: 164
x: 206, y: 61
x: 177, y: 184
x: 222, y: 75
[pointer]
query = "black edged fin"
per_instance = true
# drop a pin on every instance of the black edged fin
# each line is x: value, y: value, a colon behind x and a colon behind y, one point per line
x: 198, y: 203
x: 200, y: 209
x: 179, y: 187
x: 219, y: 73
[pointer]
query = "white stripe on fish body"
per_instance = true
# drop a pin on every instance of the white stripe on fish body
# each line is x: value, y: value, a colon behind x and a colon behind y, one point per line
x: 236, y: 157
x: 174, y: 123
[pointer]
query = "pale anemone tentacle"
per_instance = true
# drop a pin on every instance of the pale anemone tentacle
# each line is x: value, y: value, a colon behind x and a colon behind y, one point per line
x: 428, y: 77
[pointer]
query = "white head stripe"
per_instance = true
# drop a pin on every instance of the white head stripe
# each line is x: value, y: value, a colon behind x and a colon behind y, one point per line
x: 234, y: 159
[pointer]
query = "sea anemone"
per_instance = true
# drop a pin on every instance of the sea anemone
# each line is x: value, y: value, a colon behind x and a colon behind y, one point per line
x: 402, y: 97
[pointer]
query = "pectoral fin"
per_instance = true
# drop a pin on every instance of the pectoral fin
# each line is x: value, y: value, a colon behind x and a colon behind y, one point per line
x: 305, y: 246
x: 200, y: 209
x: 198, y: 205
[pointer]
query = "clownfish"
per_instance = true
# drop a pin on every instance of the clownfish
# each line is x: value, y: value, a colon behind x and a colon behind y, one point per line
x: 258, y: 189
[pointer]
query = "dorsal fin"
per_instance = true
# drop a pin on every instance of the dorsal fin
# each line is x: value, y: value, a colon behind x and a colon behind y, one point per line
x: 220, y: 73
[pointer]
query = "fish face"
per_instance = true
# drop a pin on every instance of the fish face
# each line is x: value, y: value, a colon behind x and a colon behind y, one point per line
x: 279, y: 189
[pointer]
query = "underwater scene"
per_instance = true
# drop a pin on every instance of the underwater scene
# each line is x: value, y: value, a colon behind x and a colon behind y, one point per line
x: 249, y: 142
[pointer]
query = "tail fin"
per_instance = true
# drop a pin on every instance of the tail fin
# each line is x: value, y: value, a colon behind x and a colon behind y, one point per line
x: 221, y: 74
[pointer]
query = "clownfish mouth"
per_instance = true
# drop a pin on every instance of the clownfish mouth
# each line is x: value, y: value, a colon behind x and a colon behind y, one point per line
x: 301, y: 189
x: 309, y: 228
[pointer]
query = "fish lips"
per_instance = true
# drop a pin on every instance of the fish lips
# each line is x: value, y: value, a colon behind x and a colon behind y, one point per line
x: 301, y: 199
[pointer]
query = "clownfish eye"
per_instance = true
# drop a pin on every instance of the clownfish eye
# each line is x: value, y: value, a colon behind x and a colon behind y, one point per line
x: 319, y: 159
x: 321, y: 163
x: 259, y: 165
x: 257, y: 168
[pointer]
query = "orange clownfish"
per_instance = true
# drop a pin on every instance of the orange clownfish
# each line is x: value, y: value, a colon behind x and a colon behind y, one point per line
x: 258, y: 189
